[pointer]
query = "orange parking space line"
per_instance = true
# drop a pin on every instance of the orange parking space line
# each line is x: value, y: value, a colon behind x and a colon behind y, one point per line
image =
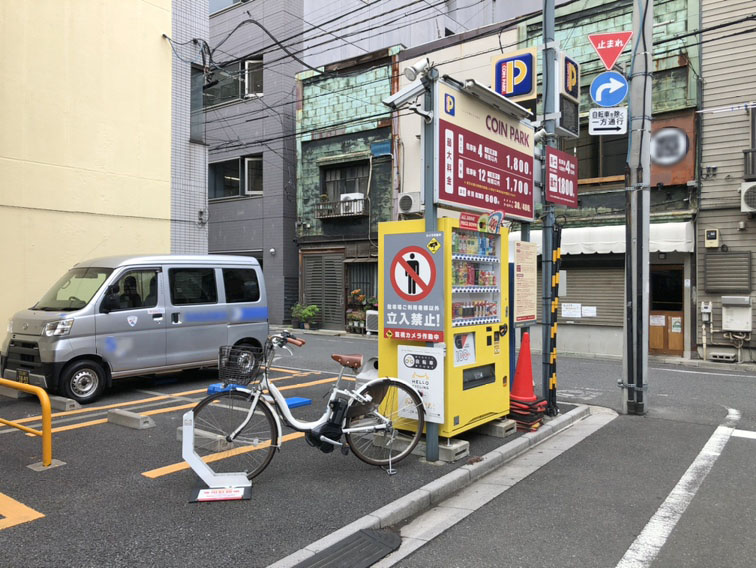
x: 15, y: 513
x: 79, y: 425
x: 114, y: 405
x: 173, y: 408
x: 181, y: 466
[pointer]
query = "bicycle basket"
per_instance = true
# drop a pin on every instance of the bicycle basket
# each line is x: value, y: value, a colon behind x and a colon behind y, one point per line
x: 239, y: 366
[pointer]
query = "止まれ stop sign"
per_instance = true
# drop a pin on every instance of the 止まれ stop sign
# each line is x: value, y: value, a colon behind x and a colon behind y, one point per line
x: 413, y: 273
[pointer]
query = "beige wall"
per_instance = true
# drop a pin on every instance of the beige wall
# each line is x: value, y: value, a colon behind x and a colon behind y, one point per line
x: 85, y: 142
x: 477, y: 67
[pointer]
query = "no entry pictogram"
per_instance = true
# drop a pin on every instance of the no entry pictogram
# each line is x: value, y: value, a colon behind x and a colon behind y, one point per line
x: 413, y: 273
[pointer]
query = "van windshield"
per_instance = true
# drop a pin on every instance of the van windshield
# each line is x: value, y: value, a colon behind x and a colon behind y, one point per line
x: 74, y: 290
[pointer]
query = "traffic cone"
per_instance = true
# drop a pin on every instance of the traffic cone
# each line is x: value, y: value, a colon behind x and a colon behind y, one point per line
x: 522, y: 387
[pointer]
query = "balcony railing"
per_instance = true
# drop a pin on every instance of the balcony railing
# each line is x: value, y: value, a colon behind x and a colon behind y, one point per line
x: 346, y: 208
x: 749, y: 165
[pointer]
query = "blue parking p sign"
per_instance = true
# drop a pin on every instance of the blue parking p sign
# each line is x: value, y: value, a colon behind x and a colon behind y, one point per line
x: 609, y: 89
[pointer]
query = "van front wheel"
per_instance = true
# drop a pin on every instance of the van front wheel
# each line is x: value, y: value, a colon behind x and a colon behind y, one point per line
x: 83, y: 381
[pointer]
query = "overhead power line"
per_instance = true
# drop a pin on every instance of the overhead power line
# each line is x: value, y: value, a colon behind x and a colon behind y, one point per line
x: 596, y: 60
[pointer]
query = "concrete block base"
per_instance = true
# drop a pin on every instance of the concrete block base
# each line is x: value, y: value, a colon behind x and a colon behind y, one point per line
x: 449, y: 451
x: 63, y: 403
x: 501, y: 428
x: 13, y: 393
x: 130, y: 419
x: 39, y: 467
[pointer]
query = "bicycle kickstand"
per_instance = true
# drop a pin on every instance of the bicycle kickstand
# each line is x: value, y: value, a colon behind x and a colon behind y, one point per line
x: 390, y: 470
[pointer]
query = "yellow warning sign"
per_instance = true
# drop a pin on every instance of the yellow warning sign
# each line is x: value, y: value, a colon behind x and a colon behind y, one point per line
x: 434, y: 246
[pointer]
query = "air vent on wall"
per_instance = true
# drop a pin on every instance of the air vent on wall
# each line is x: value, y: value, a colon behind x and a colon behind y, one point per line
x: 748, y: 197
x: 410, y: 202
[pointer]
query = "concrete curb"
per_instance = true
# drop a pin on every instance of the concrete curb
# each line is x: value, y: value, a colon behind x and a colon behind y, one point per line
x: 432, y: 493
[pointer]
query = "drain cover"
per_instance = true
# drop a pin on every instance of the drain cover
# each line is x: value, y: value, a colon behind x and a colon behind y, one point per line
x: 361, y: 550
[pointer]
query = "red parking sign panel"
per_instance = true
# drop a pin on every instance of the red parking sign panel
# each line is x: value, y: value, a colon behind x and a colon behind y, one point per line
x: 561, y: 178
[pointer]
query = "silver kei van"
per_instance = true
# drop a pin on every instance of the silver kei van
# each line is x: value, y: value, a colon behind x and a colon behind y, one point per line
x: 122, y: 316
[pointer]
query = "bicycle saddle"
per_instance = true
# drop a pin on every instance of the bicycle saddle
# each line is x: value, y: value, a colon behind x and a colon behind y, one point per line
x: 351, y: 361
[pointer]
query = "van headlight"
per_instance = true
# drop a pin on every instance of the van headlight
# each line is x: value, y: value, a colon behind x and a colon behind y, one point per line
x: 60, y: 327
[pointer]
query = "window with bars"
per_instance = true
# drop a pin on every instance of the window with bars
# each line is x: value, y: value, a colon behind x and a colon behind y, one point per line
x: 345, y: 178
x: 598, y: 156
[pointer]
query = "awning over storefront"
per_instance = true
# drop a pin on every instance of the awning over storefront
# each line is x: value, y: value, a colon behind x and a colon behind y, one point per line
x: 664, y: 237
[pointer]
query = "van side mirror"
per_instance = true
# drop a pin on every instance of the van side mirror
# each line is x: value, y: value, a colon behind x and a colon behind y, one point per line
x: 111, y: 301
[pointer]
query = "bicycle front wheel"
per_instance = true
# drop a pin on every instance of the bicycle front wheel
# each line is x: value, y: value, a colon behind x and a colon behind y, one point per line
x: 217, y: 417
x: 390, y: 426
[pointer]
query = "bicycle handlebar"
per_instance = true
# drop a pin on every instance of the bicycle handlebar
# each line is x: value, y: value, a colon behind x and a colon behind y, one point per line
x: 295, y: 341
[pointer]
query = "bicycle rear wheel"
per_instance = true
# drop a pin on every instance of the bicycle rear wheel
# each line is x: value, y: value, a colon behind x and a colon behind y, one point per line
x: 217, y: 417
x: 400, y: 410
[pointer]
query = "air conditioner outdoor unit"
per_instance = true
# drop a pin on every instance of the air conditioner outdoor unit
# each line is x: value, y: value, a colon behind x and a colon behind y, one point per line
x: 352, y: 203
x: 410, y: 202
x: 748, y: 197
x: 371, y: 321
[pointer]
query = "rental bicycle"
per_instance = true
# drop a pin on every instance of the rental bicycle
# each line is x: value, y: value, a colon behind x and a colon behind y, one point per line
x: 239, y: 429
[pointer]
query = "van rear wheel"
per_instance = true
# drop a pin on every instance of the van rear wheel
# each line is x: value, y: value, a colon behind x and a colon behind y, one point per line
x: 83, y: 381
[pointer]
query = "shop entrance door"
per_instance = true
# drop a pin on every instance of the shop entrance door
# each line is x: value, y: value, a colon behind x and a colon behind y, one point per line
x: 666, y: 321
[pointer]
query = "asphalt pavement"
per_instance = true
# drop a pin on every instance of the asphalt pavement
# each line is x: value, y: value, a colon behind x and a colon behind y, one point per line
x: 583, y: 506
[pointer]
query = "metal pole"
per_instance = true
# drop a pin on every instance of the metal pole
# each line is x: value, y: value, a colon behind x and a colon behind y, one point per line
x: 638, y: 214
x: 549, y: 124
x: 431, y: 215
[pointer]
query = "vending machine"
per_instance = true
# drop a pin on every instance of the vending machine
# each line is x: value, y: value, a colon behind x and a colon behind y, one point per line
x: 459, y: 361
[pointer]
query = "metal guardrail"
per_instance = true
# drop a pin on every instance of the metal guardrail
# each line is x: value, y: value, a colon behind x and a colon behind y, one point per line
x: 749, y: 165
x: 46, y: 432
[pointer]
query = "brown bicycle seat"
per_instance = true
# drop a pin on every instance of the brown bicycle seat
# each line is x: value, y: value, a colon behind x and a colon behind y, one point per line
x: 351, y: 361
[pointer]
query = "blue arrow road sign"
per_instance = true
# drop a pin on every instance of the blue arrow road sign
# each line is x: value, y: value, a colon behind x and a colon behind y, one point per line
x: 609, y: 89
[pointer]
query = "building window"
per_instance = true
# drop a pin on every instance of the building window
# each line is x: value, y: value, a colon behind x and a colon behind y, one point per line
x: 226, y: 179
x: 253, y: 175
x: 598, y: 156
x: 225, y: 85
x: 197, y: 114
x: 349, y: 178
x: 253, y: 80
x: 223, y: 179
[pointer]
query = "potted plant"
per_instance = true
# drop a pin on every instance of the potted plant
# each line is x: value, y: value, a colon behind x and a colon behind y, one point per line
x: 356, y: 320
x: 296, y: 315
x: 309, y: 314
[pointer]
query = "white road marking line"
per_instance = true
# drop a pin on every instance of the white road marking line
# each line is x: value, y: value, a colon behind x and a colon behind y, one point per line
x: 654, y: 535
x: 702, y: 373
x: 744, y: 434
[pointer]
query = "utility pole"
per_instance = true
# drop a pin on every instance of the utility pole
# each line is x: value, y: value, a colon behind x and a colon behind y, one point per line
x: 550, y: 109
x: 431, y: 212
x: 637, y: 212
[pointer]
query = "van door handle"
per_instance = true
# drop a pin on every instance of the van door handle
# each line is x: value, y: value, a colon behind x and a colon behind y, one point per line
x: 176, y: 317
x: 157, y: 317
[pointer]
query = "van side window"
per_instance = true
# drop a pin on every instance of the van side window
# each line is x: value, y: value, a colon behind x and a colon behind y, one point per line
x: 241, y: 285
x: 192, y: 286
x: 135, y: 289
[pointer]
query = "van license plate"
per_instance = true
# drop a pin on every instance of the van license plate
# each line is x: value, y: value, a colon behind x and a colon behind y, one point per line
x: 22, y: 376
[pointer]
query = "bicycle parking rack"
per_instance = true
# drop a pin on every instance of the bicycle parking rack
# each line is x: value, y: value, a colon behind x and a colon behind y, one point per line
x: 46, y: 432
x: 221, y: 486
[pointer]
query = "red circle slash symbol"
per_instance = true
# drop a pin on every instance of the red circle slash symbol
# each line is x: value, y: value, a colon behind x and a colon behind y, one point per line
x: 410, y: 263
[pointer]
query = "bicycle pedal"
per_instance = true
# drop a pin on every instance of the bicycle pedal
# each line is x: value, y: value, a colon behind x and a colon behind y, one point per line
x: 345, y: 450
